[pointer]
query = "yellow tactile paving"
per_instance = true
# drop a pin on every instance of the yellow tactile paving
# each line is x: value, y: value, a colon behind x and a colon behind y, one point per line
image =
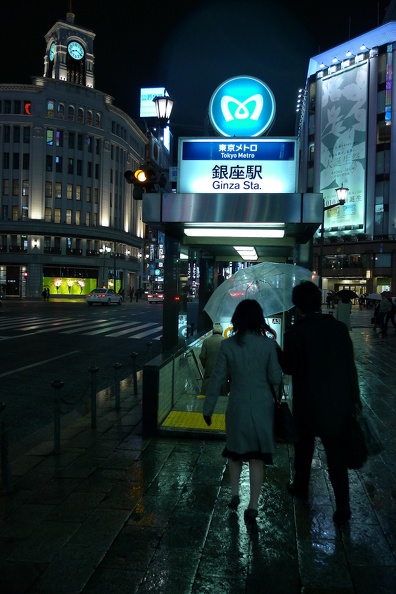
x: 193, y: 420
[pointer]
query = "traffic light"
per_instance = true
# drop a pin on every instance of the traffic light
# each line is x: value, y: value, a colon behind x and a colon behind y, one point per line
x: 143, y: 179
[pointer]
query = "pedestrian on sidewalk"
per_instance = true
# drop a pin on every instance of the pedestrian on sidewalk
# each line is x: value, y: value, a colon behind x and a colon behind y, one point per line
x: 390, y: 316
x: 208, y: 356
x: 343, y: 312
x: 384, y: 309
x: 249, y: 360
x: 318, y: 354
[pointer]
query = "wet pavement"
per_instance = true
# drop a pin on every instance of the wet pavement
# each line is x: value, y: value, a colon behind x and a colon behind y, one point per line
x: 115, y: 512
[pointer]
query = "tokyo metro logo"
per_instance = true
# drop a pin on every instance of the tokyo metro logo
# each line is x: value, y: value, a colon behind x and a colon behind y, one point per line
x: 242, y: 106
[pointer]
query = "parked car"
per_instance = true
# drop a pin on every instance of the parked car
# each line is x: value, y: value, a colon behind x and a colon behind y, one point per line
x: 103, y: 296
x: 155, y: 297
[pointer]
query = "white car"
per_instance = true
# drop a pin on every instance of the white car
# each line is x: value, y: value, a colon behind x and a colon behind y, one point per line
x: 103, y: 296
x: 155, y: 296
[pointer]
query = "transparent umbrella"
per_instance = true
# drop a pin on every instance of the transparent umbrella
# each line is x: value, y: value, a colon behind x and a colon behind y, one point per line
x: 269, y: 283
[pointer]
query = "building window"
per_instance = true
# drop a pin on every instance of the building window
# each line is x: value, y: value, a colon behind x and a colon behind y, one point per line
x: 57, y: 215
x: 69, y: 191
x: 17, y: 106
x: 17, y: 134
x: 7, y: 133
x: 59, y: 138
x: 95, y: 219
x: 382, y: 260
x: 89, y: 169
x: 49, y: 163
x: 26, y: 161
x: 89, y: 143
x: 88, y: 218
x: 50, y: 137
x: 15, y: 187
x: 25, y: 187
x: 5, y: 212
x: 48, y: 189
x: 26, y: 135
x: 6, y: 187
x: 58, y: 164
x: 89, y: 194
x: 80, y: 115
x: 80, y: 141
x: 79, y: 167
x: 47, y: 215
x: 97, y: 120
x: 61, y: 111
x: 97, y: 170
x: 78, y: 192
x: 89, y: 118
x: 50, y: 109
x: 15, y: 161
x: 70, y: 167
x: 68, y: 217
x: 58, y: 190
x: 96, y: 196
x: 97, y: 146
x: 6, y: 160
x: 78, y: 217
x: 25, y: 213
x: 15, y: 213
x: 70, y: 115
x: 72, y: 138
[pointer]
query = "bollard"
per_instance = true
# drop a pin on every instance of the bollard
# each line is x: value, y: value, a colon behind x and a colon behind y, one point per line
x: 93, y: 371
x: 6, y: 477
x: 149, y: 345
x: 117, y: 367
x: 57, y: 385
x: 134, y: 372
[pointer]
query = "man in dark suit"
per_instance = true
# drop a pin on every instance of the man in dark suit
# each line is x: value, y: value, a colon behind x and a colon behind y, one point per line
x: 318, y: 354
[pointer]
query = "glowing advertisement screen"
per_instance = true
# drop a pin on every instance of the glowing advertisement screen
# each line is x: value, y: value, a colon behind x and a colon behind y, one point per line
x: 242, y: 165
x: 147, y: 105
x: 343, y: 146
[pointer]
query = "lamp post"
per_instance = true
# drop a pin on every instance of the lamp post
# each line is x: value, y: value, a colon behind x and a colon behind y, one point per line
x: 105, y: 249
x: 341, y: 195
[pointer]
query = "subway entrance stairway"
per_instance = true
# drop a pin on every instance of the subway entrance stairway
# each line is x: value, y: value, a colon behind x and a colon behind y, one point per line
x: 117, y: 512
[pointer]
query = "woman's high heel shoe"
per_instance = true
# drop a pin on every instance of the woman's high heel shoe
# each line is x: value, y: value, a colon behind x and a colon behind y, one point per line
x: 250, y: 514
x: 235, y: 501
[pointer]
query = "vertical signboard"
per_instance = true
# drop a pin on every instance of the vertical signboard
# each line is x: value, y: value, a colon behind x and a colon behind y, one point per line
x: 343, y: 146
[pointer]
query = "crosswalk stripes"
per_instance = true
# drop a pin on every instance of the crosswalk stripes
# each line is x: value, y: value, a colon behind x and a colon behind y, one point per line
x: 109, y: 328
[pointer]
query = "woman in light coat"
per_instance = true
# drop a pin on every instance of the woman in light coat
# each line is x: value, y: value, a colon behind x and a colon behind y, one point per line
x: 249, y: 359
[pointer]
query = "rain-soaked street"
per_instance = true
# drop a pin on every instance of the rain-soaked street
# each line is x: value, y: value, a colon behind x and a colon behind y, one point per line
x: 115, y: 512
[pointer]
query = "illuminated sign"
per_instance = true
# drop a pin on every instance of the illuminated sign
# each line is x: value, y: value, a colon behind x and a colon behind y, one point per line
x: 344, y: 147
x: 242, y: 106
x: 147, y: 105
x: 243, y: 165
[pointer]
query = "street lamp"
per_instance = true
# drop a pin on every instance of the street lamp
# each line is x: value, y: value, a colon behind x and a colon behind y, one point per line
x: 341, y: 195
x: 105, y: 249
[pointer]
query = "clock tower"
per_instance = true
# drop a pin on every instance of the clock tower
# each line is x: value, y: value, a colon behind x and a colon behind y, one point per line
x: 69, y: 55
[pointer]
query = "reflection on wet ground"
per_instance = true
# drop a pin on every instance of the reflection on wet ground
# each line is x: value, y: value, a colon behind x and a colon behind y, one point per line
x: 118, y: 513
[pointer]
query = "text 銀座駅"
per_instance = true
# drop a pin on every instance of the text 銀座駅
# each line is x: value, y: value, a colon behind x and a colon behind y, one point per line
x: 236, y: 177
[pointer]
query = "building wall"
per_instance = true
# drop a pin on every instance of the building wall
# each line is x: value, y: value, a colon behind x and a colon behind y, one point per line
x: 368, y: 249
x: 61, y: 214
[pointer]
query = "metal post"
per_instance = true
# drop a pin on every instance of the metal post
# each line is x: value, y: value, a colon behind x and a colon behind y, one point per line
x: 57, y: 385
x: 93, y: 371
x: 149, y: 345
x: 117, y: 367
x: 134, y: 372
x: 6, y: 477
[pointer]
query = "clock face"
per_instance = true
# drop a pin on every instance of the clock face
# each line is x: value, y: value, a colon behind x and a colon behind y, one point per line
x: 75, y: 50
x: 52, y: 51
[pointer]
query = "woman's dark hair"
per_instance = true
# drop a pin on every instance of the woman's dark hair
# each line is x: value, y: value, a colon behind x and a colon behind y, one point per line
x: 307, y: 297
x: 248, y: 315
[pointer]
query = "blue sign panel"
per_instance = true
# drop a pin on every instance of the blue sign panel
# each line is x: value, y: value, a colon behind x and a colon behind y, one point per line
x: 242, y: 106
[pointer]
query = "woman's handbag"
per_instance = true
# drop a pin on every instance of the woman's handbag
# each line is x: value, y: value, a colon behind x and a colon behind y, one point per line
x: 284, y: 426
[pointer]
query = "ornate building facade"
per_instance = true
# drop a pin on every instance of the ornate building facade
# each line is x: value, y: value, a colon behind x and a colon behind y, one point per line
x: 68, y: 220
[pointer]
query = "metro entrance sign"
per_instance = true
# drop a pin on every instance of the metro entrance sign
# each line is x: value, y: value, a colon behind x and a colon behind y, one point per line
x: 238, y: 165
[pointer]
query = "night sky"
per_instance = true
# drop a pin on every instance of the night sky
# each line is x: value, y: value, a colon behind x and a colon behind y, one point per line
x: 190, y: 51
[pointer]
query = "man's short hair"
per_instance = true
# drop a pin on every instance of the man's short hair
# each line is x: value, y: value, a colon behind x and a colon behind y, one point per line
x: 217, y: 329
x: 307, y: 297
